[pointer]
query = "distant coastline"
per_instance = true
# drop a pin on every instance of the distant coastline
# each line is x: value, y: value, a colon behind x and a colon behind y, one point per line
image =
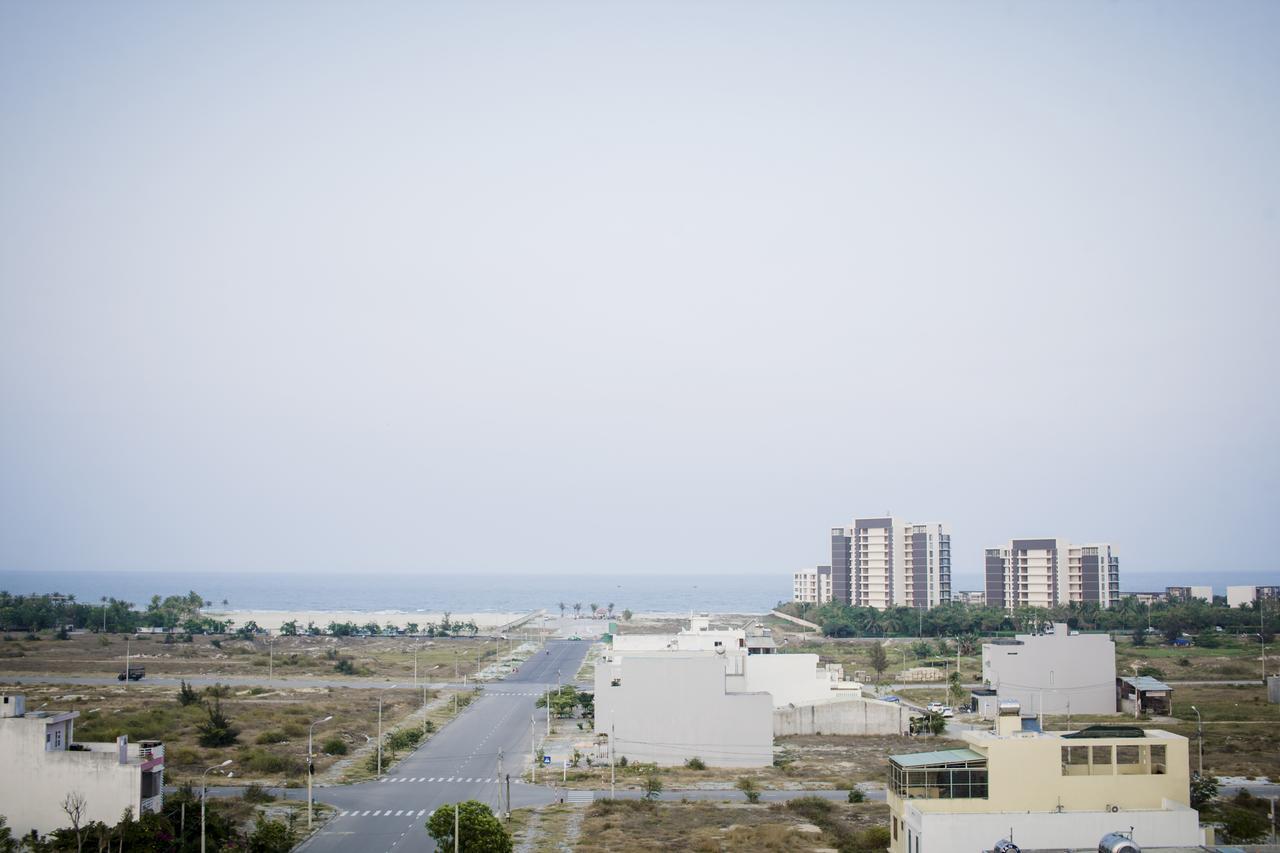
x: 487, y: 596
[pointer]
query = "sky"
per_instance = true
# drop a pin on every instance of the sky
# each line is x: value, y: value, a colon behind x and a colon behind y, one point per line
x: 668, y: 287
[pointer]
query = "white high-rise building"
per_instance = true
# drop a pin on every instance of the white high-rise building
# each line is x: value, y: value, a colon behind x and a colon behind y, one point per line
x: 1048, y: 572
x: 812, y: 586
x: 883, y: 562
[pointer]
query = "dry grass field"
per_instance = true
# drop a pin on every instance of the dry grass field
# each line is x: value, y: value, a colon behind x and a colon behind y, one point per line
x: 271, y: 745
x: 388, y: 658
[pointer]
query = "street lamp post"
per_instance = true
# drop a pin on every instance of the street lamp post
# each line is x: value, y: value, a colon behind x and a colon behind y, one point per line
x: 380, y: 695
x: 310, y: 765
x: 1199, y: 739
x: 203, y: 778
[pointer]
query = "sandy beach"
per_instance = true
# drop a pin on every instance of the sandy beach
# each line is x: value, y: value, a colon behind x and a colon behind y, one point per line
x: 273, y: 619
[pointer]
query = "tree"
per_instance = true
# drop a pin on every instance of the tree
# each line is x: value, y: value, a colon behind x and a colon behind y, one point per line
x: 577, y: 610
x: 75, y: 805
x: 956, y: 690
x: 562, y: 608
x: 479, y: 831
x: 749, y: 788
x: 879, y: 659
x: 610, y: 609
x: 593, y: 607
x: 626, y: 615
x: 7, y: 844
x: 652, y: 786
x: 290, y: 628
x: 187, y: 694
x: 1139, y: 637
x: 1203, y: 790
x: 217, y: 730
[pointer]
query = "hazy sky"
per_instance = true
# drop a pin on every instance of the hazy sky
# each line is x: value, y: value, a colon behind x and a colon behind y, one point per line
x: 616, y: 287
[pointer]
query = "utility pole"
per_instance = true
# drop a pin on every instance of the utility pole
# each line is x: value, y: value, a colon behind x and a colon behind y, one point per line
x: 612, y: 752
x: 424, y: 710
x: 457, y: 807
x: 1199, y: 738
x: 126, y: 661
x: 311, y: 763
x: 533, y: 750
x: 508, y: 796
x: 548, y: 712
x: 271, y: 659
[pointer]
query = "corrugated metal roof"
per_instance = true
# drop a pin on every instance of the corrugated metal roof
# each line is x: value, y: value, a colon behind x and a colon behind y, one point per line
x: 1145, y: 682
x: 942, y: 756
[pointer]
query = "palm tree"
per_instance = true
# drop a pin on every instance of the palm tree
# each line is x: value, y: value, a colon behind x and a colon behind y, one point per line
x: 577, y: 609
x: 594, y: 607
x: 871, y: 622
x: 562, y: 606
x: 610, y: 609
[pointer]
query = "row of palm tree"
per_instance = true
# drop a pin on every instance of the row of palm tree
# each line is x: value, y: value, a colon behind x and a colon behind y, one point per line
x: 577, y: 609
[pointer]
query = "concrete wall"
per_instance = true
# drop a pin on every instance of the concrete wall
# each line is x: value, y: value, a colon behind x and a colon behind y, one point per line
x: 670, y: 708
x: 789, y: 679
x: 848, y: 717
x: 1237, y: 595
x: 1273, y: 689
x: 1048, y: 672
x: 33, y: 782
x: 965, y: 833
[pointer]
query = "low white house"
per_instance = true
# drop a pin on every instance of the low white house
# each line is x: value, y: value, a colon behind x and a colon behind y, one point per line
x: 41, y: 764
x: 669, y: 708
x: 1056, y: 673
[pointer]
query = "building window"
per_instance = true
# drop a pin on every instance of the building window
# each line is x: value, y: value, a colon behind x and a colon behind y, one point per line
x: 895, y: 829
x: 1101, y: 755
x: 957, y: 780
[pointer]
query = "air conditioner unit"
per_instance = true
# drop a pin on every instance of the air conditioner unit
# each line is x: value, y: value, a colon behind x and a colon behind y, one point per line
x: 1113, y: 808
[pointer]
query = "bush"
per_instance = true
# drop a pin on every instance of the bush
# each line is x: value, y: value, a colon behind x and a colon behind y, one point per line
x: 255, y: 793
x: 345, y: 666
x: 335, y: 746
x: 271, y: 736
x: 815, y: 809
x: 404, y: 739
x: 622, y: 762
x: 748, y: 787
x: 261, y: 761
x: 856, y: 795
x: 1153, y: 671
x: 696, y: 763
x: 652, y: 786
x: 270, y: 836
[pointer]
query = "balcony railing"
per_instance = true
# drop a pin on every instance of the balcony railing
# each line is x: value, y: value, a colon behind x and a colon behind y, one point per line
x: 153, y: 804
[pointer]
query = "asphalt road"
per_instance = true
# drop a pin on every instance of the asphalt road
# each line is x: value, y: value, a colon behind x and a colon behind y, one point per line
x: 460, y: 763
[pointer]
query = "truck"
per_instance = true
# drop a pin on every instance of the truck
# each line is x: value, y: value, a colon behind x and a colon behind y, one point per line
x: 133, y: 673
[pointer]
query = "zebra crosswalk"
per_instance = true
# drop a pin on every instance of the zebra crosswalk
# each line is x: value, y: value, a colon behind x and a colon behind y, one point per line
x: 580, y: 797
x: 384, y: 813
x: 489, y: 780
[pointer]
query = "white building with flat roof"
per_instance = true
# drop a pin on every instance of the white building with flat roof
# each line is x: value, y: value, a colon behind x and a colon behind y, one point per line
x: 1056, y: 673
x: 669, y: 707
x: 1238, y: 595
x: 41, y: 763
x: 1048, y: 790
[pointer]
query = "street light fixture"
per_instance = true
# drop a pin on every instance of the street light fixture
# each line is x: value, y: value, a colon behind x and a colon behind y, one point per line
x: 311, y: 763
x: 203, y: 779
x: 1199, y: 738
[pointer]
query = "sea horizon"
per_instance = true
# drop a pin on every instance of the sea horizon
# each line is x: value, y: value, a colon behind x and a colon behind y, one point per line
x: 498, y: 592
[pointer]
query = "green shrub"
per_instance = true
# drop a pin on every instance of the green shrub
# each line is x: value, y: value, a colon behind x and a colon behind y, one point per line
x: 271, y: 736
x: 217, y: 729
x: 696, y: 763
x: 856, y: 795
x: 261, y: 761
x: 295, y: 730
x: 335, y: 746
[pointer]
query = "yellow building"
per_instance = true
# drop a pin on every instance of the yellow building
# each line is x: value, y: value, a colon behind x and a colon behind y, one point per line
x: 1046, y: 789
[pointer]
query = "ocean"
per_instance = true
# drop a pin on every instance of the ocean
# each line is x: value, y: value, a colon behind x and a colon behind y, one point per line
x: 458, y: 593
x: 497, y: 593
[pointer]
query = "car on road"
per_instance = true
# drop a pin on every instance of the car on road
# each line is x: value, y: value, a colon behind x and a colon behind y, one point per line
x: 890, y: 699
x: 947, y: 712
x: 935, y: 707
x: 575, y: 637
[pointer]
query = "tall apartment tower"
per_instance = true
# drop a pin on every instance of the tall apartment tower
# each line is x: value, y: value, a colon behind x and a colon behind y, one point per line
x: 1048, y: 572
x: 883, y: 562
